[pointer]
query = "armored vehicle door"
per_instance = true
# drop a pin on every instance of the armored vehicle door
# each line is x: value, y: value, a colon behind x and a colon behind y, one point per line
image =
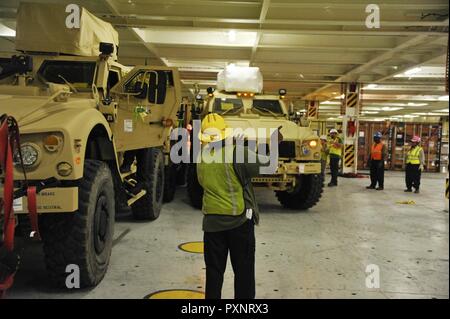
x: 148, y: 100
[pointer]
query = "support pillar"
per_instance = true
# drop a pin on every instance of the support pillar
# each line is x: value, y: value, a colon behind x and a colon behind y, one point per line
x: 312, y: 110
x: 350, y: 127
x: 446, y: 194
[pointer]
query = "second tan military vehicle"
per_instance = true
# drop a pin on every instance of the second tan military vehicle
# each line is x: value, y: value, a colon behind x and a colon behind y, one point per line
x: 297, y: 182
x: 97, y: 127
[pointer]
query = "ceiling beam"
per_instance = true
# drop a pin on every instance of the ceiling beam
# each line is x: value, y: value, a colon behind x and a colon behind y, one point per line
x: 251, y: 4
x: 262, y: 17
x: 404, y: 23
x: 424, y: 5
x: 423, y: 60
x: 150, y: 47
x: 131, y: 22
x: 352, y: 74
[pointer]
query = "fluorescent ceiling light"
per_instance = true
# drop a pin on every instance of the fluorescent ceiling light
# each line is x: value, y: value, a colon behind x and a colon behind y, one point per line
x: 409, y: 116
x: 370, y: 112
x: 413, y: 71
x: 390, y: 109
x: 6, y: 32
x: 371, y: 86
x: 198, y: 37
x: 443, y: 98
x: 201, y: 66
x: 232, y: 35
x: 417, y: 104
x: 423, y: 72
x: 330, y: 103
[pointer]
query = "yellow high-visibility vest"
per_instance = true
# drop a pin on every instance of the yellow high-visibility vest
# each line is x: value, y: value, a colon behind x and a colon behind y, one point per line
x: 335, y: 150
x: 223, y: 192
x: 413, y: 156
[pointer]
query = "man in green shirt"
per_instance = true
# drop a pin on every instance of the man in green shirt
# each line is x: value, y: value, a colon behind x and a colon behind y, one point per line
x: 324, y: 153
x: 335, y: 153
x: 230, y: 209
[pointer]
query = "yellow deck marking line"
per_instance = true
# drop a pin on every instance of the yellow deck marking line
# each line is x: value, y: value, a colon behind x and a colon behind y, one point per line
x: 407, y: 202
x: 176, y: 294
x: 195, y: 247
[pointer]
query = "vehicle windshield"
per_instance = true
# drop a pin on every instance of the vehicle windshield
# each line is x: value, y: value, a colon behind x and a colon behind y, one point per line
x: 78, y: 73
x: 229, y: 106
x: 269, y: 107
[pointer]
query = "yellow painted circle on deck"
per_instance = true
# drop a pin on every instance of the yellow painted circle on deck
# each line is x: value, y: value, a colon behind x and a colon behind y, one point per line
x: 195, y: 247
x: 176, y: 294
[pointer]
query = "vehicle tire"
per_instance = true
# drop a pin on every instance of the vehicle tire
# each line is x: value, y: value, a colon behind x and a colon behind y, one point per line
x: 170, y: 182
x: 150, y: 172
x: 305, y: 195
x: 194, y: 189
x: 83, y: 238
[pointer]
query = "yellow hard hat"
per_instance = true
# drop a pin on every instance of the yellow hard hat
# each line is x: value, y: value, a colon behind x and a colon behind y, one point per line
x: 214, y: 128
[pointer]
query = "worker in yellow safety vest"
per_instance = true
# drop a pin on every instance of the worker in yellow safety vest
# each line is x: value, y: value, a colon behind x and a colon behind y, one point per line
x: 229, y: 207
x: 377, y: 156
x: 324, y: 153
x: 335, y: 154
x: 415, y: 160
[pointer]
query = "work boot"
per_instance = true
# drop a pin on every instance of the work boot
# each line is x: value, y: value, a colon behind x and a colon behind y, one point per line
x: 370, y: 187
x: 408, y: 190
x: 417, y: 191
x: 331, y: 184
x: 380, y: 188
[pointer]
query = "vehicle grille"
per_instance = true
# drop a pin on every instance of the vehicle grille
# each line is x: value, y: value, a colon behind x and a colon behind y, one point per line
x: 286, y: 149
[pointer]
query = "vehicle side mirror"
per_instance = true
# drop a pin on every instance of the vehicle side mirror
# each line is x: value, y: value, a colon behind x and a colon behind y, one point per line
x: 142, y: 89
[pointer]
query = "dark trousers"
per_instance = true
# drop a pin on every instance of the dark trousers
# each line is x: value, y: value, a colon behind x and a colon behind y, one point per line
x: 412, y: 176
x: 377, y: 173
x: 334, y: 168
x: 240, y: 242
x: 323, y: 164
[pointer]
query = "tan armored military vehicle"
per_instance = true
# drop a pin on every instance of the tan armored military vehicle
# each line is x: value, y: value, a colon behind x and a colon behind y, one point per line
x: 98, y: 128
x: 297, y: 182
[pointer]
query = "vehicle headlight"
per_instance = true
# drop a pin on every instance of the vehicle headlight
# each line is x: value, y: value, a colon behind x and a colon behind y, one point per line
x: 312, y: 143
x: 30, y: 155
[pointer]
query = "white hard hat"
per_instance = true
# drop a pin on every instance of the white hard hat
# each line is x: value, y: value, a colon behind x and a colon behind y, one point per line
x: 333, y: 130
x: 323, y: 137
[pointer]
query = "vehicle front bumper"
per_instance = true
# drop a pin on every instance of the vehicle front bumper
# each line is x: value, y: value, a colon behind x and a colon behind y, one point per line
x: 287, y: 173
x: 49, y: 200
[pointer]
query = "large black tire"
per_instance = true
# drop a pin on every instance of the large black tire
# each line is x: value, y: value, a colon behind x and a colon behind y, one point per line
x: 150, y: 172
x: 305, y: 195
x: 194, y: 189
x: 170, y: 182
x: 83, y: 238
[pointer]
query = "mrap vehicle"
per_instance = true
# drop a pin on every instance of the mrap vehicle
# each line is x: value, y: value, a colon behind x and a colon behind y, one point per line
x: 297, y: 181
x: 98, y: 129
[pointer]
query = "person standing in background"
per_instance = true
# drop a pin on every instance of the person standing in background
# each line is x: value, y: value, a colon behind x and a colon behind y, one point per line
x: 377, y: 157
x: 324, y: 153
x: 335, y: 153
x: 415, y: 160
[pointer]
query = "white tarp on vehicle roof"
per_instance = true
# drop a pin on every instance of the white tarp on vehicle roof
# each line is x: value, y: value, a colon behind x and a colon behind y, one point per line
x: 240, y: 79
x: 42, y: 28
